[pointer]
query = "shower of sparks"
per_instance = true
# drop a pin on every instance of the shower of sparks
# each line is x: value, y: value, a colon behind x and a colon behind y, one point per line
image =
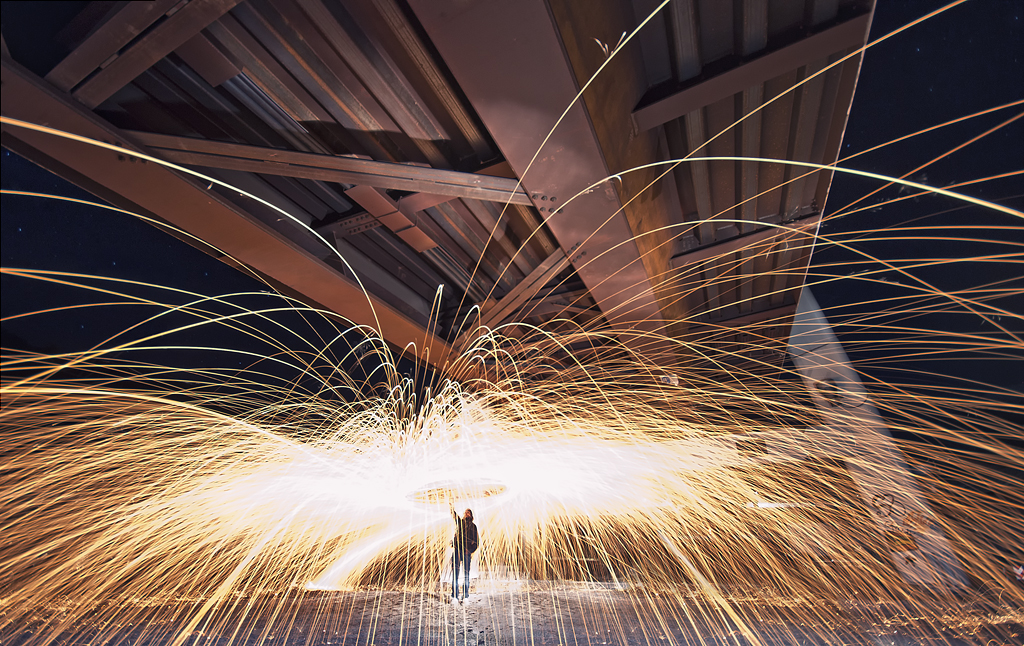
x: 131, y: 497
x: 703, y: 487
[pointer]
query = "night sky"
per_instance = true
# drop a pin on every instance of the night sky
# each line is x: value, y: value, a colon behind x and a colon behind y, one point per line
x: 965, y: 60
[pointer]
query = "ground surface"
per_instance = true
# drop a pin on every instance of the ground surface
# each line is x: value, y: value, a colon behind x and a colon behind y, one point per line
x: 539, y: 613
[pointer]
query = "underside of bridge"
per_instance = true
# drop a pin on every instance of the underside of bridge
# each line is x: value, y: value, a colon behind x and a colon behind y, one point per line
x: 445, y: 143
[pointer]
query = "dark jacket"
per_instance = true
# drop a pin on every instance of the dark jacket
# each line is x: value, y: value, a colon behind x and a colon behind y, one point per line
x: 466, y: 538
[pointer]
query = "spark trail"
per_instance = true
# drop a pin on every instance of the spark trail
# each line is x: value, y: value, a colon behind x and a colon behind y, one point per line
x: 144, y: 501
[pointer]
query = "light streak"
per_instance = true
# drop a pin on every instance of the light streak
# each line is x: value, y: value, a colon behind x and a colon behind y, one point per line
x: 187, y: 500
x: 130, y: 496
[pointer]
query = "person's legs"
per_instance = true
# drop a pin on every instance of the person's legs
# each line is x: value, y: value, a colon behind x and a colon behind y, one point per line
x: 466, y: 560
x: 455, y: 573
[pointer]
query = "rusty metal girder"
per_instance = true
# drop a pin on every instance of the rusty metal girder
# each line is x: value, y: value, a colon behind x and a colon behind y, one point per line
x: 106, y: 41
x: 850, y: 33
x: 386, y: 211
x: 757, y: 242
x: 522, y: 292
x: 330, y: 168
x: 184, y: 203
x: 167, y: 36
x: 509, y: 60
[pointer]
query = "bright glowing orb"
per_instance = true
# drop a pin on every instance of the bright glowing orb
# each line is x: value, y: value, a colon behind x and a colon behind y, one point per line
x: 437, y: 493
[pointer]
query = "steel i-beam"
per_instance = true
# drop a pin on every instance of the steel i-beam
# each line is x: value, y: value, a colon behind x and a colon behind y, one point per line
x: 509, y: 60
x: 186, y: 204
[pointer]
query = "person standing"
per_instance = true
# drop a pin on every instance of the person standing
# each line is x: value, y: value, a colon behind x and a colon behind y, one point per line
x: 464, y: 543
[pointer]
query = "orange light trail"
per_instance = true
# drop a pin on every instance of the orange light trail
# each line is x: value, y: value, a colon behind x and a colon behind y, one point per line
x: 709, y: 488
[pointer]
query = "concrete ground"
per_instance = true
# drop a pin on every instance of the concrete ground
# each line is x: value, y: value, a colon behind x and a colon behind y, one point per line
x: 539, y: 613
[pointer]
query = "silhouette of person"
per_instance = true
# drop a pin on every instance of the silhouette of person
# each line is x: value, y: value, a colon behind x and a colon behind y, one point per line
x: 464, y: 543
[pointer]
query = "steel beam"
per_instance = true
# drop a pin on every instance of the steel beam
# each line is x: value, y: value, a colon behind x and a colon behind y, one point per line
x: 751, y: 241
x: 106, y: 41
x: 524, y: 291
x: 509, y: 60
x: 186, y: 204
x: 544, y: 309
x: 851, y: 33
x: 494, y: 313
x: 386, y: 211
x: 328, y: 168
x: 166, y: 37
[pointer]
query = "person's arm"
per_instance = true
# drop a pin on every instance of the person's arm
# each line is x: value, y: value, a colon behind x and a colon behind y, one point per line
x: 451, y: 507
